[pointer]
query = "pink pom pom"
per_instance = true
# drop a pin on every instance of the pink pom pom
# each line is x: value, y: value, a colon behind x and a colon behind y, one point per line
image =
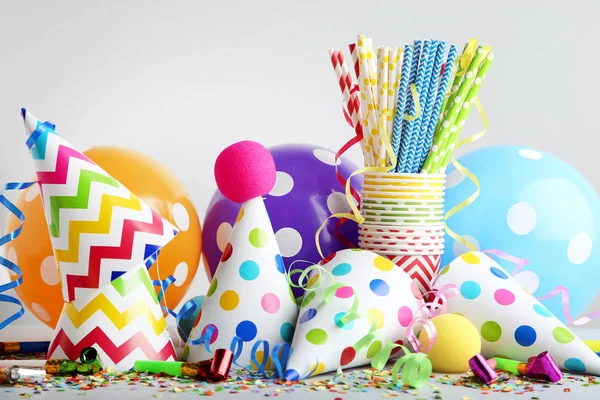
x: 245, y: 170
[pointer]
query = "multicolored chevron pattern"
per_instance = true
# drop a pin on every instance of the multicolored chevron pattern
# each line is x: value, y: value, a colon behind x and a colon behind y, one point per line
x: 99, y: 229
x: 420, y: 268
x: 123, y: 321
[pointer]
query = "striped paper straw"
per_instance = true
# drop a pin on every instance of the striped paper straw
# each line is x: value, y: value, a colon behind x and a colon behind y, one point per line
x: 354, y: 55
x: 401, y: 98
x: 428, y: 61
x: 407, y: 152
x: 429, y: 103
x: 437, y: 107
x: 393, y: 75
x: 404, y: 141
x: 465, y: 110
x: 432, y: 162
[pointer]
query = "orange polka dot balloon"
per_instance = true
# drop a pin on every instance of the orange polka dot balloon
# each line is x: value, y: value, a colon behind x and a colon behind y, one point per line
x: 147, y: 179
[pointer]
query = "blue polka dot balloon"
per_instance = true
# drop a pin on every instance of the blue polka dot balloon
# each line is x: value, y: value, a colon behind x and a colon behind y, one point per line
x: 532, y: 205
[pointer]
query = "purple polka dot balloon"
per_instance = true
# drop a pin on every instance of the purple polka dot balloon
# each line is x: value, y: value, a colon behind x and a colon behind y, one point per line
x: 306, y: 192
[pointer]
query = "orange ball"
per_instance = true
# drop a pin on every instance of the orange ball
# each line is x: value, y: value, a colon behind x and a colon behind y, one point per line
x: 147, y: 179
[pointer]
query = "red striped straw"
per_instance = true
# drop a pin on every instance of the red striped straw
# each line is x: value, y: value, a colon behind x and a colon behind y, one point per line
x: 354, y: 55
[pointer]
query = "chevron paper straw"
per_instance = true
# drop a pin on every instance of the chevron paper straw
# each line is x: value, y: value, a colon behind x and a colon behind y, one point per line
x: 459, y: 123
x: 432, y: 162
x: 407, y: 141
x: 98, y: 228
x: 401, y: 99
x: 429, y: 54
x: 437, y: 107
x: 428, y: 110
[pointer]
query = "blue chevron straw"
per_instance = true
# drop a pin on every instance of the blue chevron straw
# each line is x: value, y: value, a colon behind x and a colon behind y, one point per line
x: 404, y: 140
x: 426, y: 104
x: 428, y: 109
x: 401, y: 102
x: 407, y: 146
x: 437, y: 107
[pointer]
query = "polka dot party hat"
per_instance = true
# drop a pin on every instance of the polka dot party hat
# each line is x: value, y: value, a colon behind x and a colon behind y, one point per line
x: 249, y: 300
x: 513, y: 324
x: 323, y: 342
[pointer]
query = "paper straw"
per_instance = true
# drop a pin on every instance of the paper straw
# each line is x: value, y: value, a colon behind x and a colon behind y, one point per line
x: 429, y: 103
x: 454, y: 88
x: 383, y: 96
x: 346, y: 85
x: 437, y: 107
x: 437, y: 153
x: 407, y: 145
x: 428, y: 61
x: 465, y: 110
x: 393, y: 75
x: 401, y: 98
x: 405, y: 140
x: 368, y: 109
x: 354, y: 56
x: 372, y: 70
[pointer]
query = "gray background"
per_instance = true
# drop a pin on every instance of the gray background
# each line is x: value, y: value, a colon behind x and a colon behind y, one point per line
x: 180, y: 80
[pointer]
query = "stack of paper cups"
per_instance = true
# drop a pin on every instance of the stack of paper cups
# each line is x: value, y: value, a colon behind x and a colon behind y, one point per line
x: 404, y: 221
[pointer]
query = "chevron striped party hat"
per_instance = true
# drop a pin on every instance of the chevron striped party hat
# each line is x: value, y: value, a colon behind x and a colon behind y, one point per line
x: 99, y: 229
x: 249, y: 307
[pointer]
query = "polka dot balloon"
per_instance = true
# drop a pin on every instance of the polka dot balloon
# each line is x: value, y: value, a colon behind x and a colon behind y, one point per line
x: 385, y: 297
x: 32, y: 251
x: 305, y: 193
x: 511, y: 322
x: 532, y: 205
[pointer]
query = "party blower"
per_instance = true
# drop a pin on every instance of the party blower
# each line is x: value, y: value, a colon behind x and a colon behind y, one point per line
x: 104, y: 239
x: 249, y: 304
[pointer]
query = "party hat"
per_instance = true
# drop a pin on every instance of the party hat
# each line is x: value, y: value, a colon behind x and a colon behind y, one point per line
x: 386, y: 296
x: 249, y: 302
x: 513, y: 324
x: 99, y: 229
x: 104, y: 239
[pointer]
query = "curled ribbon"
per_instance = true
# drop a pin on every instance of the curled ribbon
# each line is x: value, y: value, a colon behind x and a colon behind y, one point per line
x: 6, y: 262
x: 463, y: 204
x: 416, y: 367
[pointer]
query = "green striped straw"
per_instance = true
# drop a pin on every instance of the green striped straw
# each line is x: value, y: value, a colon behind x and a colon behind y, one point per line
x: 437, y: 151
x: 465, y: 110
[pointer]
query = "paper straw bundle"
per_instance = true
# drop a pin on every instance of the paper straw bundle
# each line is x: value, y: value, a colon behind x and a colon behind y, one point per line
x: 401, y: 106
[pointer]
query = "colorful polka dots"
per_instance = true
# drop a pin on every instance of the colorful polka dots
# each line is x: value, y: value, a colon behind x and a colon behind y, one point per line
x: 246, y: 330
x: 541, y: 310
x: 445, y: 270
x: 562, y: 335
x: 374, y: 348
x: 347, y: 356
x: 405, y: 316
x: 249, y: 270
x: 260, y: 356
x: 229, y: 300
x: 383, y: 264
x: 316, y: 336
x: 470, y: 258
x: 376, y: 315
x: 279, y: 263
x: 344, y: 292
x: 575, y: 365
x: 240, y: 215
x: 504, y: 297
x: 470, y: 290
x: 214, y: 335
x: 227, y: 252
x: 525, y: 335
x: 291, y: 375
x: 341, y: 269
x: 317, y: 368
x: 491, y: 331
x: 308, y: 297
x: 212, y: 288
x: 379, y: 287
x: 307, y: 315
x: 270, y: 303
x: 286, y: 332
x: 258, y: 237
x: 337, y: 319
x: 498, y: 272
